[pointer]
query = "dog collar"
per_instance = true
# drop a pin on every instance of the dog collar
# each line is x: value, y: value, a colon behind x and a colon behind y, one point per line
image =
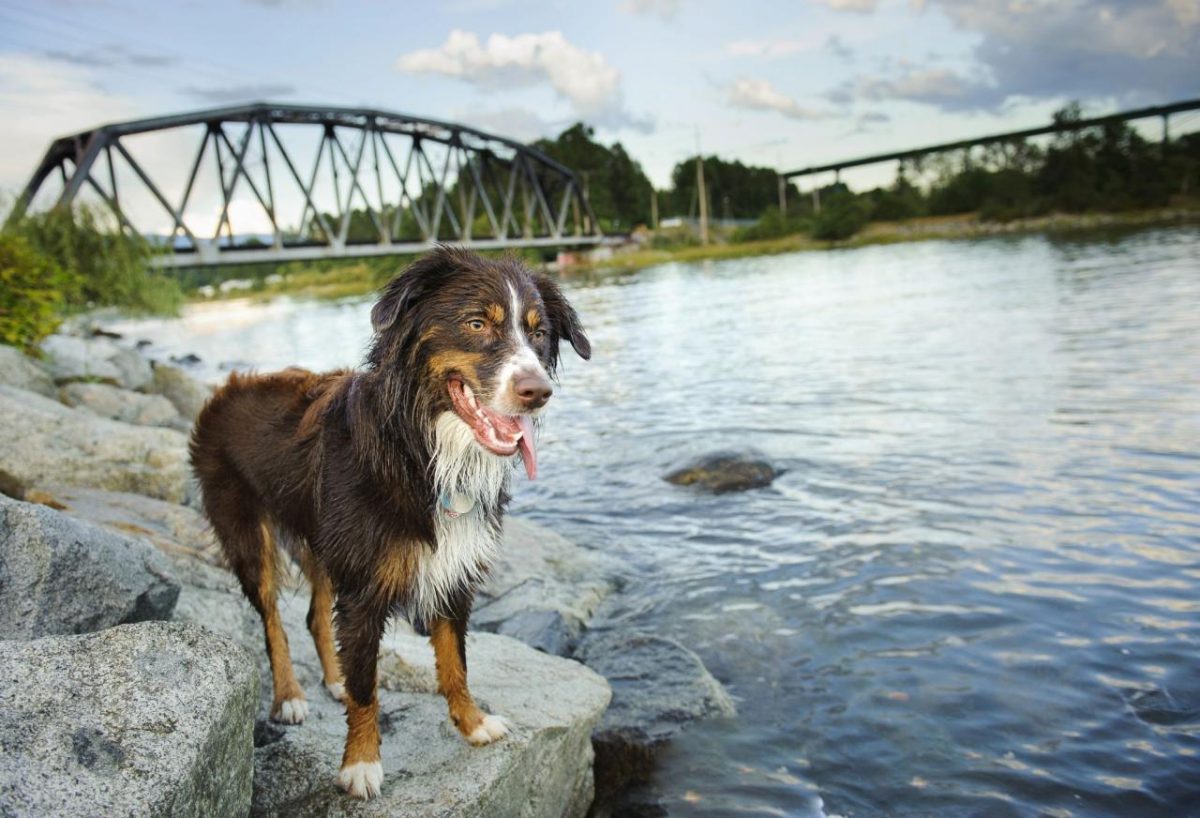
x: 456, y: 504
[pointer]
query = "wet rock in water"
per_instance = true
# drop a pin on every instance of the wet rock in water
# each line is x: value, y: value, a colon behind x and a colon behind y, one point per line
x: 60, y: 575
x: 190, y: 359
x: 120, y: 404
x: 152, y: 719
x: 22, y: 372
x: 186, y: 393
x: 725, y: 470
x: 48, y: 444
x: 71, y: 358
x: 544, y: 589
x: 659, y: 687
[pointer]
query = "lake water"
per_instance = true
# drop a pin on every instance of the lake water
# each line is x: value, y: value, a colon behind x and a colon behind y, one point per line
x: 976, y: 589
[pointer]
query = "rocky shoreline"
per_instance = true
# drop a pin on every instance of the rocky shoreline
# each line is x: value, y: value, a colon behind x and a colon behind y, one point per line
x: 135, y: 677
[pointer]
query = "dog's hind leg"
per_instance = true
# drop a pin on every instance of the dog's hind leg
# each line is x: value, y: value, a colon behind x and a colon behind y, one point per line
x: 448, y: 636
x: 320, y: 624
x: 250, y: 548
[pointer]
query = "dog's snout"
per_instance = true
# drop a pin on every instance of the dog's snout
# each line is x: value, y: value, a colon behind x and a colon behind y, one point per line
x: 533, y: 390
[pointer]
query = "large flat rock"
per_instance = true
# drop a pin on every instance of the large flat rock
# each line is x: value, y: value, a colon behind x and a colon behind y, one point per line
x: 60, y: 575
x: 544, y: 768
x: 48, y: 444
x: 73, y: 358
x: 153, y: 719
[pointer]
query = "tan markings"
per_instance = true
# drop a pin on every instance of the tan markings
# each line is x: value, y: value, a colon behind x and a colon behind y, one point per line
x: 362, y: 732
x: 533, y: 318
x: 494, y: 313
x: 452, y: 677
x: 395, y: 570
x: 282, y: 676
x: 321, y: 621
x: 465, y: 363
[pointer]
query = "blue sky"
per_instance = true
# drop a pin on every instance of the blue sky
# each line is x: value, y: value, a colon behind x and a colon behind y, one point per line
x: 772, y: 83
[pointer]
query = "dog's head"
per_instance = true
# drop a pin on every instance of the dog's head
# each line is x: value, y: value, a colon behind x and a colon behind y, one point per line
x: 477, y: 338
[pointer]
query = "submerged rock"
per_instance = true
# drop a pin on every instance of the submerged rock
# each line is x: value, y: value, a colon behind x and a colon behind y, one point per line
x: 59, y: 575
x: 725, y: 470
x: 120, y: 404
x: 153, y: 719
x: 659, y: 687
x: 20, y: 371
x: 48, y: 444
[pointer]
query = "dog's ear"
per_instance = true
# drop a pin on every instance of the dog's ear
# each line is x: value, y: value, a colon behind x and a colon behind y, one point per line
x: 406, y: 288
x: 564, y: 321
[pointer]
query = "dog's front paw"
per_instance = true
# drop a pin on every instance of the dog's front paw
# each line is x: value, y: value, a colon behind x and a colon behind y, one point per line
x: 337, y: 690
x: 290, y: 711
x: 492, y: 728
x: 363, y: 779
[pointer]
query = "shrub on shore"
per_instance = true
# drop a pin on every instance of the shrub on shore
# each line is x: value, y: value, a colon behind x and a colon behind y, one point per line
x: 63, y: 261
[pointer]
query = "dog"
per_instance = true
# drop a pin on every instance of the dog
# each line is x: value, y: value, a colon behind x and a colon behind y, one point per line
x: 387, y: 485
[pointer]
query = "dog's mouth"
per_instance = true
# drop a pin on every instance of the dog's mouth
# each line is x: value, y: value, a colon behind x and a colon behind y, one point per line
x: 502, y: 435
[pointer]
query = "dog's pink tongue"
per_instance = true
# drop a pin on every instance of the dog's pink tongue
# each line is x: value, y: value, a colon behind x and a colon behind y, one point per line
x: 528, y: 446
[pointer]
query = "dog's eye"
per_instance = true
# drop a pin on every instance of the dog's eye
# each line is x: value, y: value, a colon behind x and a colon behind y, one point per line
x: 476, y: 325
x: 538, y: 335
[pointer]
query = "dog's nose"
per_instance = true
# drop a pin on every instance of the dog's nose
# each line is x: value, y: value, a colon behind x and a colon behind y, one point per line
x: 533, y: 390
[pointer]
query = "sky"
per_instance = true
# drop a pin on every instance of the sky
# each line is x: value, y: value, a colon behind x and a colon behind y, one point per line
x: 781, y: 84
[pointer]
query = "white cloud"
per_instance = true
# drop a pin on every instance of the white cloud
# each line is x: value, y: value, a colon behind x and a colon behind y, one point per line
x: 665, y: 9
x: 42, y: 99
x: 760, y: 95
x: 856, y: 6
x: 766, y: 48
x: 583, y: 78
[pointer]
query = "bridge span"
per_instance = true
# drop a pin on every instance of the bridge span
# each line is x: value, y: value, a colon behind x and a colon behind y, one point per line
x: 267, y: 182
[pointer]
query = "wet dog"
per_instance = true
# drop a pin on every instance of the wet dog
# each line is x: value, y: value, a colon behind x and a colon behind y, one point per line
x: 387, y: 485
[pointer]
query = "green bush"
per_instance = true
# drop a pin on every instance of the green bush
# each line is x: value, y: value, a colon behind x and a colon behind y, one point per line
x: 107, y: 267
x: 771, y: 225
x: 32, y: 291
x: 840, y: 218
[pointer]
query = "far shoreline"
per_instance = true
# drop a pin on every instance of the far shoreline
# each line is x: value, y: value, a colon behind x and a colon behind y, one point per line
x: 356, y: 280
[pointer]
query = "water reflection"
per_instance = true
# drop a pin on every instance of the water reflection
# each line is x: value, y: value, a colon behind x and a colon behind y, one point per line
x: 972, y: 592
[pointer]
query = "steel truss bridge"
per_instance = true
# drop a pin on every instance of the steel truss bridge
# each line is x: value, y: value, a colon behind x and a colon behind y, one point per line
x: 269, y: 183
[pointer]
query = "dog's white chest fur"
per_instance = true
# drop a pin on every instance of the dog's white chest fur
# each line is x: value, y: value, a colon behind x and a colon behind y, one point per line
x: 467, y: 544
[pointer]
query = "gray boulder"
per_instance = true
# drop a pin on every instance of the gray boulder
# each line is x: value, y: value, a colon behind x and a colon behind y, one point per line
x: 543, y: 768
x: 59, y: 575
x: 725, y: 470
x: 659, y: 687
x: 120, y: 404
x: 544, y: 589
x: 72, y: 358
x: 19, y: 370
x: 48, y: 444
x: 186, y: 393
x: 154, y: 719
x: 176, y: 530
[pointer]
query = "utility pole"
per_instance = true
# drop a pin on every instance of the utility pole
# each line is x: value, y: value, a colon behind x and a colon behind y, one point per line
x: 703, y: 197
x: 782, y: 196
x: 653, y: 208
